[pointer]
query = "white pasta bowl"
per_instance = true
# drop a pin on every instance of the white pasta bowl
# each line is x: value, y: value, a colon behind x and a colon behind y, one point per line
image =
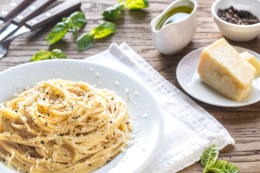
x: 239, y: 33
x: 146, y: 115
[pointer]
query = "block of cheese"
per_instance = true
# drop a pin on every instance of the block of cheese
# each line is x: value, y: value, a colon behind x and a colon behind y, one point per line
x: 222, y: 68
x: 252, y: 60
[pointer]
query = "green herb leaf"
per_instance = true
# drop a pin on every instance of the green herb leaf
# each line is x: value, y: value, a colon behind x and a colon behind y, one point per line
x: 57, y: 33
x: 77, y: 19
x: 74, y: 31
x: 209, y: 157
x: 122, y: 2
x: 111, y: 12
x: 104, y: 30
x: 44, y: 55
x: 137, y: 4
x: 66, y: 20
x: 58, y: 54
x: 41, y: 55
x: 85, y: 41
x: 221, y: 166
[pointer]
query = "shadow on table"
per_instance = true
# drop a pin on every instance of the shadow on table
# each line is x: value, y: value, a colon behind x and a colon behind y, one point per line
x: 62, y: 45
x: 138, y: 14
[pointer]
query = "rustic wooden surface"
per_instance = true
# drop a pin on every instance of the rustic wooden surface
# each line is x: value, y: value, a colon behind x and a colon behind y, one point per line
x: 134, y: 29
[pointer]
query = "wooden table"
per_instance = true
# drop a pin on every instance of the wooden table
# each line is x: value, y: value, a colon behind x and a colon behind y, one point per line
x: 134, y: 29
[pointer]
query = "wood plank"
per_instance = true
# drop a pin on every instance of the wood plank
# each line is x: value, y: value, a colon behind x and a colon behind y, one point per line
x: 134, y: 29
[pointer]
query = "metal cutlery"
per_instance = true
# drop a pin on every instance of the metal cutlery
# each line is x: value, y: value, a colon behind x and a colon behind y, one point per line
x: 11, y: 9
x: 30, y: 12
x: 66, y: 7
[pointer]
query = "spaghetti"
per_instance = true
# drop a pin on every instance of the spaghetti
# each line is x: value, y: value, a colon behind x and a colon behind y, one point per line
x: 61, y: 126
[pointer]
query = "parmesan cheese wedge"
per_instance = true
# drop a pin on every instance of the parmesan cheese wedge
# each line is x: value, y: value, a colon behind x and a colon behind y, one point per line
x: 222, y: 68
x: 253, y: 61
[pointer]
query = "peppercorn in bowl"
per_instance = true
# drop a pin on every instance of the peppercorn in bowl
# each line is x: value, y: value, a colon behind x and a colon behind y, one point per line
x: 238, y: 20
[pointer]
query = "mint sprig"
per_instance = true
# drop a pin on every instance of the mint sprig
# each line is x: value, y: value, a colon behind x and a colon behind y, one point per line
x: 210, y: 163
x: 209, y: 157
x: 74, y: 21
x: 221, y: 166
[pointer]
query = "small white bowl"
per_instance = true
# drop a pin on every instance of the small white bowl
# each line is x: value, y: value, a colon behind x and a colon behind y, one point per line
x: 239, y: 33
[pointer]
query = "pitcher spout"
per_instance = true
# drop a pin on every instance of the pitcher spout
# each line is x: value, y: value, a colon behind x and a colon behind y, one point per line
x: 153, y: 25
x: 169, y: 38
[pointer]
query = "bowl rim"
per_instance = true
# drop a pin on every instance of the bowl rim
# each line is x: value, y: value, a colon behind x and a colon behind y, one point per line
x: 158, y: 143
x: 230, y: 24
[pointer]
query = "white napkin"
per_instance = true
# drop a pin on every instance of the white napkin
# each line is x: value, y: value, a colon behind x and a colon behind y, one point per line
x: 189, y: 129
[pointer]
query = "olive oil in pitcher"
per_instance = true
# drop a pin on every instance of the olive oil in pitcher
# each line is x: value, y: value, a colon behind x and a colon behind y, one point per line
x: 174, y: 15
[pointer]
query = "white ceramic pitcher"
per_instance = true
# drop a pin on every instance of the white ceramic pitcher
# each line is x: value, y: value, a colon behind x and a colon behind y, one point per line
x: 174, y: 37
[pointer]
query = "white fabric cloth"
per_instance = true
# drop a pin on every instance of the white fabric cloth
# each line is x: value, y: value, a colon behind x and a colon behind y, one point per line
x: 189, y: 129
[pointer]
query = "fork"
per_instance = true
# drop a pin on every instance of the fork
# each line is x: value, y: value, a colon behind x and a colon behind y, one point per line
x: 39, y: 21
x: 4, y: 46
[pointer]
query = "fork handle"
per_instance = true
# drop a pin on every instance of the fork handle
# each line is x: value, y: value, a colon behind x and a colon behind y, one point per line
x: 31, y: 11
x: 54, y: 13
x: 12, y: 8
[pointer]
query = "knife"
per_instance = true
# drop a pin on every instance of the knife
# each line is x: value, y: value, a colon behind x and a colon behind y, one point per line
x: 31, y: 11
x: 66, y: 7
x: 11, y: 9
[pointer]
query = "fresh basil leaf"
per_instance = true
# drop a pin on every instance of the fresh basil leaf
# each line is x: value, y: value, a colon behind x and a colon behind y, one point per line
x: 57, y: 33
x: 66, y: 20
x: 137, y: 4
x: 78, y: 19
x: 209, y: 157
x: 85, y: 41
x: 58, y: 54
x: 104, y: 29
x: 41, y: 55
x: 111, y: 12
x: 221, y: 166
x: 74, y: 31
x: 44, y: 55
x: 122, y: 2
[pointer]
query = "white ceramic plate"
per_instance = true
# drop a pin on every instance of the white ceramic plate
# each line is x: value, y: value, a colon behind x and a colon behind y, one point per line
x: 189, y: 80
x: 147, y: 131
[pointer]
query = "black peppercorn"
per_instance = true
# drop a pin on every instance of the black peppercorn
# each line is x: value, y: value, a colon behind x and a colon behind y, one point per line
x: 239, y: 17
